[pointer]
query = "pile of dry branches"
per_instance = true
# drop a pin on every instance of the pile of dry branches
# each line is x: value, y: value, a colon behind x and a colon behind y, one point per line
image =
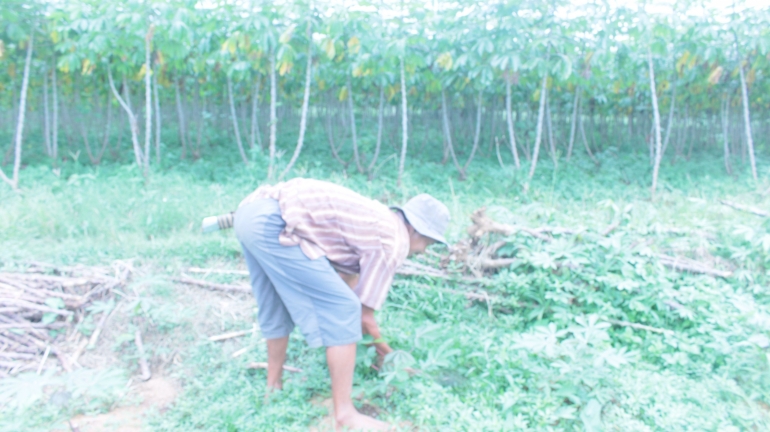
x: 40, y: 308
x: 477, y: 255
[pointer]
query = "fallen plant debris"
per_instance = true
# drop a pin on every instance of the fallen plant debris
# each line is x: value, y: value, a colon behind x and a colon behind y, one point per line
x: 477, y: 255
x: 263, y: 365
x: 42, y: 306
x: 472, y: 260
x: 212, y: 285
x: 745, y: 208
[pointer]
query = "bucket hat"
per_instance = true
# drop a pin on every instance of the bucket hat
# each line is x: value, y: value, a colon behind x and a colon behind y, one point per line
x: 428, y: 216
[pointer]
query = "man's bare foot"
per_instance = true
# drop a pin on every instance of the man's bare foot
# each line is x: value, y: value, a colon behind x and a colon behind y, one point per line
x: 355, y: 421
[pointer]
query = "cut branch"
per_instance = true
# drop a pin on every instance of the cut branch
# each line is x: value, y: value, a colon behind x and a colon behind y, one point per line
x: 212, y: 285
x: 744, y: 208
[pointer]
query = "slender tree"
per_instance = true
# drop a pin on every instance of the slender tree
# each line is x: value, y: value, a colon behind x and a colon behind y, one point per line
x: 539, y: 131
x: 404, y: 128
x: 573, y: 123
x: 747, y: 122
x: 656, y: 124
x: 234, y: 118
x: 380, y: 112
x: 509, y: 121
x: 14, y: 180
x: 273, y: 117
x: 306, y: 104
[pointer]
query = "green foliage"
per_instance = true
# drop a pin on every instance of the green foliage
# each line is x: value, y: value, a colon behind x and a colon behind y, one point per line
x: 30, y: 400
x: 550, y: 356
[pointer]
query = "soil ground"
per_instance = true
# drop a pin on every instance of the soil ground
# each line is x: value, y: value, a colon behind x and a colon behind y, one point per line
x: 156, y: 394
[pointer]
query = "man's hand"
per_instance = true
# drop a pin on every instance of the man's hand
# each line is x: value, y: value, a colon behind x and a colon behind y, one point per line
x: 369, y: 326
x: 368, y: 323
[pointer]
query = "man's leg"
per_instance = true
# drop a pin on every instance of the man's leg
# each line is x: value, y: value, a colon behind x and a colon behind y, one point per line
x: 342, y: 360
x: 276, y: 356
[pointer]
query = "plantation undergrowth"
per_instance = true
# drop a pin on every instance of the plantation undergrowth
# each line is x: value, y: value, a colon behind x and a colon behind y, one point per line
x: 552, y: 350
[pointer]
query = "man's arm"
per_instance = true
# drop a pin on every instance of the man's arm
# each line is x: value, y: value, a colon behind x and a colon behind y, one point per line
x: 370, y: 327
x: 368, y: 323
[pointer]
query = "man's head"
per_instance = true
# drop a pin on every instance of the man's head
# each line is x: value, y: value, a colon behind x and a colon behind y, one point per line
x: 427, y: 219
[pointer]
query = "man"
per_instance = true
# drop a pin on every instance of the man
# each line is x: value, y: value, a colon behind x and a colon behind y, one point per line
x: 300, y: 239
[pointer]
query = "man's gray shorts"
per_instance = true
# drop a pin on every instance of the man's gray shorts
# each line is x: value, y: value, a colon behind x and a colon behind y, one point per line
x: 289, y: 287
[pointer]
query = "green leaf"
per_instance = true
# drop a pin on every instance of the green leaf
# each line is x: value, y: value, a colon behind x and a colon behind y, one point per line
x: 55, y: 302
x: 591, y: 415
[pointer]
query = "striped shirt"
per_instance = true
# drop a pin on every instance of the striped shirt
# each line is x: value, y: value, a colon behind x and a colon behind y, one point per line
x: 356, y: 234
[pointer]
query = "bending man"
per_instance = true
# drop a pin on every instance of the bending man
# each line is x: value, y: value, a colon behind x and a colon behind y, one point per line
x: 296, y: 237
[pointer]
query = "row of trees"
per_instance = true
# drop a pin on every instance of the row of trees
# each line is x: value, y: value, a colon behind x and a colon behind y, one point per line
x: 544, y: 71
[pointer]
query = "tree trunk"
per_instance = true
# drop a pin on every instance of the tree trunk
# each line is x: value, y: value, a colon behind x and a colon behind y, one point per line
x: 305, y: 106
x: 509, y: 119
x: 182, y: 130
x: 725, y: 132
x: 380, y: 111
x: 132, y: 122
x: 656, y: 120
x: 477, y: 135
x: 404, y: 128
x: 235, y: 120
x: 747, y: 122
x: 573, y: 127
x: 256, y: 135
x: 273, y: 119
x: 157, y: 118
x: 201, y: 125
x: 551, y: 145
x: 147, y: 103
x: 448, y: 134
x: 499, y: 157
x: 330, y: 136
x: 107, y: 125
x: 539, y: 131
x: 84, y: 134
x: 585, y: 140
x: 46, y: 118
x: 354, y: 137
x: 670, y: 118
x: 55, y: 115
x: 14, y: 181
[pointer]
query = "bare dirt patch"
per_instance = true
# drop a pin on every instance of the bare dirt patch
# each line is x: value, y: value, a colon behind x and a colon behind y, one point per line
x: 156, y: 394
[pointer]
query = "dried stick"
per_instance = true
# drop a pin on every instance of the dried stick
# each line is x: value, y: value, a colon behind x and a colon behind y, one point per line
x: 263, y: 365
x: 607, y: 231
x: 686, y: 264
x: 34, y: 306
x: 45, y: 357
x: 483, y: 224
x: 214, y: 286
x: 744, y: 208
x: 231, y: 335
x: 78, y: 351
x: 639, y: 326
x: 28, y: 325
x: 217, y: 271
x: 99, y: 327
x: 146, y: 374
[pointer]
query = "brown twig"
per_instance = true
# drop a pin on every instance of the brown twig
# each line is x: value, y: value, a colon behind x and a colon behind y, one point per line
x: 217, y: 271
x: 483, y: 224
x: 607, y: 231
x: 231, y: 335
x: 263, y: 365
x: 98, y: 330
x: 212, y: 285
x: 689, y: 265
x: 143, y: 366
x: 745, y: 208
x: 639, y: 326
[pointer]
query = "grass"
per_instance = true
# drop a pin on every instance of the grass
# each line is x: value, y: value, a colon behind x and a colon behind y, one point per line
x: 546, y: 357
